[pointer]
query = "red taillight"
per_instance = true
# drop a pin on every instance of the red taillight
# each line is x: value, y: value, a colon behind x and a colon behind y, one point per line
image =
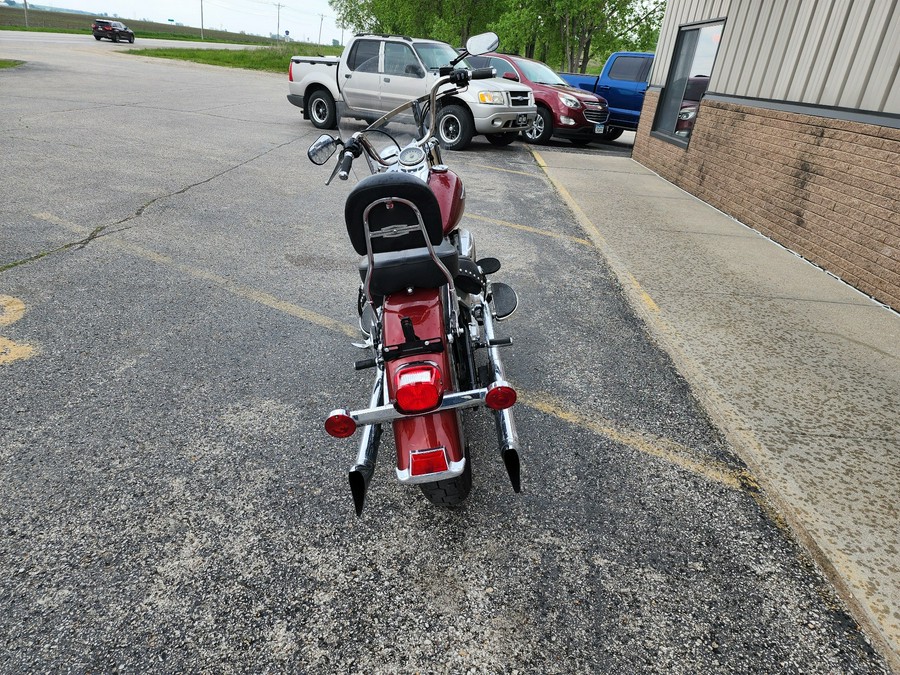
x: 428, y: 461
x: 291, y: 72
x: 340, y: 425
x: 500, y: 396
x: 419, y: 388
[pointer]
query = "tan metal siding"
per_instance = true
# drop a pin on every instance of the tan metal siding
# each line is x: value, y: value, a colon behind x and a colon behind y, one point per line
x: 847, y: 50
x: 732, y: 59
x: 874, y: 32
x: 797, y: 38
x: 842, y: 53
x: 778, y: 61
x: 881, y: 92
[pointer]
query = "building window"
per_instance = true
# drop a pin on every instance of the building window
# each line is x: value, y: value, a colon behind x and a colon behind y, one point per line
x: 692, y: 65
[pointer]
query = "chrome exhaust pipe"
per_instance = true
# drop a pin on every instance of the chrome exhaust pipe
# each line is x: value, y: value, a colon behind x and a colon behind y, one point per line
x: 509, y: 446
x: 361, y: 473
x: 507, y: 436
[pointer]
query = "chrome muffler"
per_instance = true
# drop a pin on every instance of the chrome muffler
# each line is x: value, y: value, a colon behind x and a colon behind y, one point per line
x: 361, y: 473
x: 507, y: 437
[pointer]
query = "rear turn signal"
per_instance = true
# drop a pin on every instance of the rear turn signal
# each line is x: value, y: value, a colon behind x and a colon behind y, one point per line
x: 500, y: 396
x: 424, y: 462
x: 419, y: 388
x: 339, y: 424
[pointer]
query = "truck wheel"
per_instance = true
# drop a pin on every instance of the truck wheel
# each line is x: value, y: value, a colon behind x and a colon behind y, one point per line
x: 454, y: 127
x: 542, y: 129
x: 502, y: 139
x: 610, y: 134
x: 321, y: 110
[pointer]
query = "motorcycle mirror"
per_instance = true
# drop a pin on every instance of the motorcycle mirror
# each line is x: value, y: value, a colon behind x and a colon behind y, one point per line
x: 322, y: 149
x: 483, y: 43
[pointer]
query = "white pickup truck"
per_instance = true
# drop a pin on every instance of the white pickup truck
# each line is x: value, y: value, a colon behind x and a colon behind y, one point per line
x: 376, y: 73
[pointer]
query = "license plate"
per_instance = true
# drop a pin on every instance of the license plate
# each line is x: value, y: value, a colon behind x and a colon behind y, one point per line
x: 599, y: 128
x: 521, y: 120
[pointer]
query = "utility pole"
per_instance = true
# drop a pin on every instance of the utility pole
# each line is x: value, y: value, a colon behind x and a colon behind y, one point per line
x: 278, y: 29
x: 201, y: 20
x: 26, y: 13
x: 321, y: 19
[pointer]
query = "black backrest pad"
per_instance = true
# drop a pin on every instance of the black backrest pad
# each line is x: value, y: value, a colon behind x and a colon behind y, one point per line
x: 399, y: 185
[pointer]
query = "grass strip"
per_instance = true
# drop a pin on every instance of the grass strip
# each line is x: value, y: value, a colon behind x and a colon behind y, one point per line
x: 270, y: 59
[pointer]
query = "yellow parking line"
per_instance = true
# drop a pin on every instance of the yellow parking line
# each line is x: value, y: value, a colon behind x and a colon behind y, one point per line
x: 239, y: 290
x: 11, y: 310
x: 495, y: 168
x: 662, y: 448
x: 655, y: 446
x: 527, y: 228
x: 598, y: 240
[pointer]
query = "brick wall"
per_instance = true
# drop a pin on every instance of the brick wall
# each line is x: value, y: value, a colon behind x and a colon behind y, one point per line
x: 827, y: 189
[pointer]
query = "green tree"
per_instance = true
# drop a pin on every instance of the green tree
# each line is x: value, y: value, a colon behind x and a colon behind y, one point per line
x: 567, y: 34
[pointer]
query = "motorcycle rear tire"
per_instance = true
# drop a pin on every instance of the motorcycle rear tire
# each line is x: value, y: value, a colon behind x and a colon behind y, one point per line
x: 452, y: 491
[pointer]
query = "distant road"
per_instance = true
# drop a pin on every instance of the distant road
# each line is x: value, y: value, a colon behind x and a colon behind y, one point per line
x: 88, y: 39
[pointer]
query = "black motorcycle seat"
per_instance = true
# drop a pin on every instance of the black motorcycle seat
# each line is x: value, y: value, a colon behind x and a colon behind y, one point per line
x: 396, y: 271
x: 396, y: 214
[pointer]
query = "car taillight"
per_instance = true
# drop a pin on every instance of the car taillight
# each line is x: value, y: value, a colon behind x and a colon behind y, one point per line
x: 339, y: 424
x: 500, y: 396
x: 291, y: 72
x: 419, y: 388
x: 424, y: 462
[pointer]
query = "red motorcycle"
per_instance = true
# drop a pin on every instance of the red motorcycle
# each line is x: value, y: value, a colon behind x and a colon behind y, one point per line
x: 426, y: 303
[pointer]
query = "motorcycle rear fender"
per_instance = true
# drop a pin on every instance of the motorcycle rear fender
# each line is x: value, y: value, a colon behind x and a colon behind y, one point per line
x: 428, y: 431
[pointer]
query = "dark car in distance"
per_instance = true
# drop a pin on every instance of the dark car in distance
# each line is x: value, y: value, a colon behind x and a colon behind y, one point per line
x: 112, y: 30
x: 563, y: 111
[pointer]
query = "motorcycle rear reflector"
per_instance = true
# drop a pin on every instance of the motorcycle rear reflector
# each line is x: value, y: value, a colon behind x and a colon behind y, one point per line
x: 340, y: 425
x: 428, y: 461
x: 419, y: 388
x: 500, y: 396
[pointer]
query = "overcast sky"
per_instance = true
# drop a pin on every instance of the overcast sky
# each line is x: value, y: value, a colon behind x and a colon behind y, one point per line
x: 303, y: 18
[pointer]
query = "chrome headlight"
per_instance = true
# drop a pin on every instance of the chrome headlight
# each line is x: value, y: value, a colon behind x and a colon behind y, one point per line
x: 492, y: 97
x: 570, y: 101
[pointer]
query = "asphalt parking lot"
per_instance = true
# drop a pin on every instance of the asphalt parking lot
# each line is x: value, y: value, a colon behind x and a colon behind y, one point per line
x: 177, y: 305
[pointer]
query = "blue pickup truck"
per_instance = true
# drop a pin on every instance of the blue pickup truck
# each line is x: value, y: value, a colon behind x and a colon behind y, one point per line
x: 622, y: 82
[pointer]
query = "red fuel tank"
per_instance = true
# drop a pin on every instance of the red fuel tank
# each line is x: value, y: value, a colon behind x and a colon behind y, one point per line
x: 451, y: 196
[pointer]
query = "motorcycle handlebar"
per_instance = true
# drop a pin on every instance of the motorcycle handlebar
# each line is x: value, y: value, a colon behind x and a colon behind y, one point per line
x: 346, y: 162
x: 358, y: 143
x: 483, y: 73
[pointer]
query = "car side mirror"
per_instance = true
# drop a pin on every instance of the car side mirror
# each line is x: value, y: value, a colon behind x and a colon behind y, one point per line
x: 510, y: 76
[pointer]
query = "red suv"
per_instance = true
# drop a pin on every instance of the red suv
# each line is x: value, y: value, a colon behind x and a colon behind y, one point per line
x: 563, y: 111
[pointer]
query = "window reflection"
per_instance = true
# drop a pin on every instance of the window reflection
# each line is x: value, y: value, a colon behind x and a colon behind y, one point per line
x: 692, y: 64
